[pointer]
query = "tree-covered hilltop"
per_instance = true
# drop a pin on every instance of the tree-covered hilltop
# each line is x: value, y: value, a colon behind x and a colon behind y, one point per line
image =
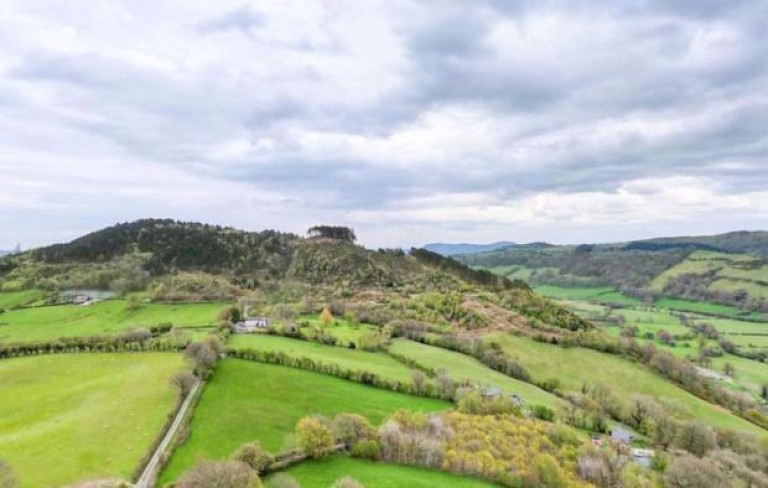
x: 173, y: 245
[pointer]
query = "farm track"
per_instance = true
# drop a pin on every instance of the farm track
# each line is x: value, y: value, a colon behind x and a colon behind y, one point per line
x: 147, y: 478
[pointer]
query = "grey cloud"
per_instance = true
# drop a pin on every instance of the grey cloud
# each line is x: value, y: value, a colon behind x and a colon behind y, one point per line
x: 245, y: 18
x: 651, y: 61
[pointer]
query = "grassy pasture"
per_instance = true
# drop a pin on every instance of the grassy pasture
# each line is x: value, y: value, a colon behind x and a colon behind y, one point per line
x: 339, y: 328
x: 574, y: 367
x: 103, y: 318
x: 653, y: 320
x: 323, y: 472
x: 374, y: 362
x: 749, y: 374
x: 9, y: 299
x: 706, y: 308
x: 65, y: 418
x: 462, y: 367
x: 246, y: 401
x: 733, y: 272
x: 592, y: 294
x: 754, y: 289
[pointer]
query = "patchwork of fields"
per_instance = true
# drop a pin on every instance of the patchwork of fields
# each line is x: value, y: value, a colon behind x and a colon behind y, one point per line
x: 95, y: 415
x: 464, y: 368
x: 247, y: 401
x: 374, y: 362
x: 732, y: 272
x: 102, y: 318
x: 66, y: 418
x: 623, y: 377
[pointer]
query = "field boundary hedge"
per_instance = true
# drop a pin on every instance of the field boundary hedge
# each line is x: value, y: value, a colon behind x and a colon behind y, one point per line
x: 357, y: 376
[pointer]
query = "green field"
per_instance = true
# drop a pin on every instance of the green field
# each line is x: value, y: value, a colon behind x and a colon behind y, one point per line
x: 108, y: 317
x: 322, y: 473
x: 732, y: 272
x: 574, y: 367
x: 461, y: 367
x: 10, y: 299
x: 706, y: 308
x: 749, y: 374
x: 340, y: 328
x: 375, y: 362
x: 66, y: 418
x: 246, y: 401
x: 653, y: 320
x: 597, y: 294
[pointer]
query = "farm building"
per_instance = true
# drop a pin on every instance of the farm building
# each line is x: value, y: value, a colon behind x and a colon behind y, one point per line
x: 251, y: 324
x: 621, y: 436
x: 490, y: 393
x: 643, y: 457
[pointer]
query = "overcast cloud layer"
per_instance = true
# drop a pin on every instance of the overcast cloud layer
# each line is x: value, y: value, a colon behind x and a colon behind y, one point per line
x: 411, y: 121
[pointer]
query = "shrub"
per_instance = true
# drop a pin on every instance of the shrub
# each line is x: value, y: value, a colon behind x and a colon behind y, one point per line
x: 351, y: 429
x: 220, y: 474
x: 7, y: 478
x: 691, y: 472
x: 184, y: 381
x: 254, y: 456
x: 696, y: 438
x: 313, y: 437
x: 543, y: 412
x: 282, y: 480
x: 347, y: 482
x: 369, y: 449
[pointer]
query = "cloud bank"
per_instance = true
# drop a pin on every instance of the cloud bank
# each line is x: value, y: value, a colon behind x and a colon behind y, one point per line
x: 412, y: 121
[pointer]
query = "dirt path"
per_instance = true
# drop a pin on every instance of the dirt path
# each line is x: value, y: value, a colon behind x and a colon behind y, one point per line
x: 147, y: 479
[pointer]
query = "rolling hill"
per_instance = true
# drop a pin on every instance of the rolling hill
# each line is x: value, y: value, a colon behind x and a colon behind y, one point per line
x: 464, y: 375
x: 730, y: 269
x: 465, y: 248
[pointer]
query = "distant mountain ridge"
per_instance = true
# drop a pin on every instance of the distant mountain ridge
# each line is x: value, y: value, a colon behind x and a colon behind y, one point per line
x: 450, y: 249
x: 750, y: 242
x: 731, y: 242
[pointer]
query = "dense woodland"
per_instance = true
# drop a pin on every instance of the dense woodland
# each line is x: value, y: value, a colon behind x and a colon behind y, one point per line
x: 177, y: 245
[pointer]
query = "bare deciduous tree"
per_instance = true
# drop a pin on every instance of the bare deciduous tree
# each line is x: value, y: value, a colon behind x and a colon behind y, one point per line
x: 220, y: 474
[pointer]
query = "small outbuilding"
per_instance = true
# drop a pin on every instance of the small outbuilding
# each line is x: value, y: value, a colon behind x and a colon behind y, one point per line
x: 251, y: 324
x: 621, y: 436
x: 490, y: 393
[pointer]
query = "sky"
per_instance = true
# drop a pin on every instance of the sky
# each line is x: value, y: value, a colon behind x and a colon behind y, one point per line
x: 411, y: 121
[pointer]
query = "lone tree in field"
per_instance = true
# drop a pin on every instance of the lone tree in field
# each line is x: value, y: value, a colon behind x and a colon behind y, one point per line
x: 333, y: 232
x: 326, y: 317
